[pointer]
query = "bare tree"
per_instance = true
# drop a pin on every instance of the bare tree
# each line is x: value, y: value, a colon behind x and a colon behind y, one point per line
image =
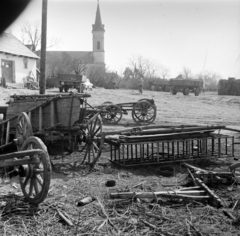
x: 31, y: 34
x: 186, y: 73
x: 96, y: 74
x: 210, y: 79
x: 164, y: 72
x: 79, y: 66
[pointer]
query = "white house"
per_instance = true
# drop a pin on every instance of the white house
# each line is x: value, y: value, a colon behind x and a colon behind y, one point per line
x: 17, y: 61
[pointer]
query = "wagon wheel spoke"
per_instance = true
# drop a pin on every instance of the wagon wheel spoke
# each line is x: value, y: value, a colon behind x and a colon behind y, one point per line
x: 31, y: 187
x: 35, y: 178
x: 95, y: 146
x: 93, y: 151
x: 35, y: 186
x: 96, y: 131
x: 86, y: 152
x: 39, y: 180
x: 26, y: 182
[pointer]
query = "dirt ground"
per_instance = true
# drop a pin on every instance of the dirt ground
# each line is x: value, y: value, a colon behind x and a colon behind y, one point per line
x: 105, y: 217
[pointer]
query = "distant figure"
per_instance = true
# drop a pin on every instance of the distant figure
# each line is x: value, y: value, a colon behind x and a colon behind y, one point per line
x: 4, y: 85
x: 204, y: 87
x: 114, y: 84
x: 140, y: 85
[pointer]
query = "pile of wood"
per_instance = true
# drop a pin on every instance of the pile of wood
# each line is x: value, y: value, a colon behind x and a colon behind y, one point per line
x: 229, y: 87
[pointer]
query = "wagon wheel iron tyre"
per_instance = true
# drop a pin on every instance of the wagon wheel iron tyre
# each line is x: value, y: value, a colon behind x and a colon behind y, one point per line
x: 197, y: 92
x: 107, y: 103
x: 35, y: 178
x: 91, y: 142
x: 112, y: 114
x: 23, y: 129
x: 186, y: 91
x: 144, y: 112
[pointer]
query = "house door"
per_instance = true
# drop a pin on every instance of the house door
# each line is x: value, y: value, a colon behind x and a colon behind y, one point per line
x: 7, y: 70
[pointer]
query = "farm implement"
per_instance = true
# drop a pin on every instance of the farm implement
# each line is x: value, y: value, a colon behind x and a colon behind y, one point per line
x: 149, y: 145
x: 30, y: 121
x: 143, y: 111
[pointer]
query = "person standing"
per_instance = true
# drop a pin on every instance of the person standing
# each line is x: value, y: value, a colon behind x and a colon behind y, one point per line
x: 140, y: 85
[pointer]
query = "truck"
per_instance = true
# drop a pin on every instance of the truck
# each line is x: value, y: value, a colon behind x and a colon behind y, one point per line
x: 186, y: 86
x: 67, y: 81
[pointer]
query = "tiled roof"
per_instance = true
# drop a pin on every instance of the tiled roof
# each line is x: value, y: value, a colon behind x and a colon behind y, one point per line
x: 10, y: 44
x: 85, y: 56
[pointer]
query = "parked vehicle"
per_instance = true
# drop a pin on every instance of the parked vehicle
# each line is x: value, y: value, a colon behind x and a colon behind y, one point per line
x: 186, y: 86
x: 162, y: 85
x: 67, y: 81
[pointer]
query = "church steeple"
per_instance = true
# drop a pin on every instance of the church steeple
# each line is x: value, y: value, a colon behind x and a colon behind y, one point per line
x: 98, y: 39
x: 98, y: 26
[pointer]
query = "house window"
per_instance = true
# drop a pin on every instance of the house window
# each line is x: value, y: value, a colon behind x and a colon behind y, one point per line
x: 98, y: 45
x: 25, y: 63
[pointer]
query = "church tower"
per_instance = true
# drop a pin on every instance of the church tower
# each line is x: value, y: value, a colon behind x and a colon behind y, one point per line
x: 98, y: 39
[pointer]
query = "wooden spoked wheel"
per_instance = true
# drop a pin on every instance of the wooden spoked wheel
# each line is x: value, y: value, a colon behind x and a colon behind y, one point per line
x: 112, y: 114
x: 35, y: 178
x: 144, y: 112
x: 91, y: 144
x: 23, y: 129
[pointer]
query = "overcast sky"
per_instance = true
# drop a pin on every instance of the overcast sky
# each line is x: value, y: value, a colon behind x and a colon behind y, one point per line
x: 202, y: 35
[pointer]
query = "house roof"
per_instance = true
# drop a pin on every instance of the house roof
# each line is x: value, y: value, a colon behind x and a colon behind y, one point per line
x: 11, y: 45
x: 98, y: 26
x: 85, y: 56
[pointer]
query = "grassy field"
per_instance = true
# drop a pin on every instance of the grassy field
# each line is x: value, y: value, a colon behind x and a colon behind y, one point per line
x: 152, y: 216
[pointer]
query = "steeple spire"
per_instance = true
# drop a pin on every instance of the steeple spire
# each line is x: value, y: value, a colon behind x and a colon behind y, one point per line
x: 98, y: 26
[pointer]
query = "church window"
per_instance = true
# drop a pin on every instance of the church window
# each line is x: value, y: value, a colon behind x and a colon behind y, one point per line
x: 98, y: 45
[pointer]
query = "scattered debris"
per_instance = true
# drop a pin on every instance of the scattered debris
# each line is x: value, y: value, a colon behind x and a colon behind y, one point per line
x: 110, y: 183
x: 85, y: 201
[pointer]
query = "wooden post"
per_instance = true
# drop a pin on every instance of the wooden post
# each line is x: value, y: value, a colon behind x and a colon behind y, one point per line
x: 43, y: 48
x: 7, y: 133
x: 40, y: 118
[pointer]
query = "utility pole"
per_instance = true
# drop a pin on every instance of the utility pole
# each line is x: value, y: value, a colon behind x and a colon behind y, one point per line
x: 43, y: 48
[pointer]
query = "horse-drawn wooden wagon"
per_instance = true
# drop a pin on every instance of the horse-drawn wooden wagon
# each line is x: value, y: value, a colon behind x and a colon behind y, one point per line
x: 143, y: 111
x: 31, y: 121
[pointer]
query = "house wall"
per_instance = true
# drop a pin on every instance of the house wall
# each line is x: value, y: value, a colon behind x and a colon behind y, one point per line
x: 19, y: 72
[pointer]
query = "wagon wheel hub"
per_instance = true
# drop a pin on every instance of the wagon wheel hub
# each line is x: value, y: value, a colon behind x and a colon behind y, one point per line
x: 112, y: 114
x: 25, y: 171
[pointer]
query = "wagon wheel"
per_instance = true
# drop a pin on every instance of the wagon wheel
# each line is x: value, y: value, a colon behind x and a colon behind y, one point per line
x: 186, y: 91
x: 112, y: 114
x: 144, y: 112
x: 92, y: 145
x: 23, y: 129
x: 35, y: 178
x: 197, y: 91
